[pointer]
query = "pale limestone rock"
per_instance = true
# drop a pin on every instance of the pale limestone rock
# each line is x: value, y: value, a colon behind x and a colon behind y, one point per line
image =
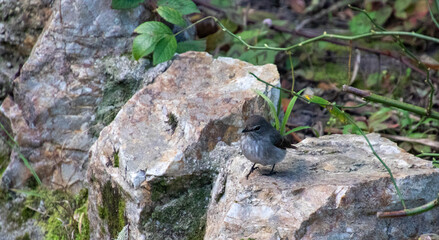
x: 166, y: 134
x: 329, y: 188
x: 73, y: 83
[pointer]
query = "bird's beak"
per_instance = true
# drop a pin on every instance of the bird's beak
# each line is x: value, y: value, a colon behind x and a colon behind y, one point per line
x: 245, y: 130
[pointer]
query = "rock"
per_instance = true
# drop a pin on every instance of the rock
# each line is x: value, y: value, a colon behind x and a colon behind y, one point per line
x: 14, y: 222
x: 153, y: 166
x: 21, y: 22
x: 75, y: 80
x: 329, y: 188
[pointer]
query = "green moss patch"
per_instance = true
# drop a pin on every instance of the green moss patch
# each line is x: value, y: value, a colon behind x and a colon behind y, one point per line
x: 112, y: 210
x: 179, y: 207
x: 116, y: 94
x: 62, y: 215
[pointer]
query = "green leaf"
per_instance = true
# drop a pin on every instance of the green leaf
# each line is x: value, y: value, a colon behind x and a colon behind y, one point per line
x: 421, y: 148
x: 250, y: 34
x: 288, y: 112
x: 165, y: 49
x: 296, y: 129
x: 360, y: 23
x: 383, y: 14
x: 318, y: 100
x: 272, y: 107
x: 153, y: 27
x: 222, y: 3
x: 125, y: 4
x: 144, y: 44
x: 171, y: 15
x: 193, y: 45
x: 373, y: 79
x: 183, y: 6
x: 380, y: 116
x: 400, y: 7
x: 258, y: 57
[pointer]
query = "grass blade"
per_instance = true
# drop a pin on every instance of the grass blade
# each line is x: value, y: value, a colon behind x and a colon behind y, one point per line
x: 272, y: 107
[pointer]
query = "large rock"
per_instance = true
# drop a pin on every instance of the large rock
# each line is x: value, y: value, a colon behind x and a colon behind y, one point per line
x: 329, y: 188
x: 74, y: 82
x: 153, y: 166
x: 21, y: 22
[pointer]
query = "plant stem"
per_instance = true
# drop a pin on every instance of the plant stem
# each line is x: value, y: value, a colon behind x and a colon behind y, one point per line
x: 368, y: 96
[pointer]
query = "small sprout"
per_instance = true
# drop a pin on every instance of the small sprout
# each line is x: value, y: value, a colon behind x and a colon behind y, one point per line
x: 172, y: 121
x: 116, y: 157
x: 372, y: 31
x: 266, y: 45
x: 324, y: 33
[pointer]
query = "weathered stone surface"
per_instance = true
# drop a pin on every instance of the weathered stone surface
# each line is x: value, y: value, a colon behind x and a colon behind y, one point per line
x: 155, y: 163
x: 14, y: 224
x: 21, y: 22
x: 62, y: 95
x: 329, y: 188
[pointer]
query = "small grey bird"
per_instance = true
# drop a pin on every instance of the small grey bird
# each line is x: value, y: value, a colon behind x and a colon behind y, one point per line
x: 262, y: 143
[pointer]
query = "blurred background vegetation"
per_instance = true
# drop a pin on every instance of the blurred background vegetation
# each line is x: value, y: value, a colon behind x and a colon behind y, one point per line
x: 392, y: 66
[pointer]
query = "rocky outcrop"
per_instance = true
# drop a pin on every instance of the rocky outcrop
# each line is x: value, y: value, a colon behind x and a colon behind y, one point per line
x: 21, y: 22
x: 74, y: 82
x: 154, y: 165
x: 329, y: 188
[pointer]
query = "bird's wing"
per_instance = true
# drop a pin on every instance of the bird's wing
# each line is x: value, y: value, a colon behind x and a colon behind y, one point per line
x: 280, y: 141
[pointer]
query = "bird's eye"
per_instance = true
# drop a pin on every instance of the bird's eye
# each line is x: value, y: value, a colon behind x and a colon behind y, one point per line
x: 257, y: 128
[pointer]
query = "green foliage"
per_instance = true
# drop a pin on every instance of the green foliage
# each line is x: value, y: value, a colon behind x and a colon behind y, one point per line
x: 194, y: 45
x: 26, y: 236
x: 116, y: 159
x: 171, y: 15
x: 222, y: 3
x: 150, y: 34
x: 360, y: 24
x: 125, y: 4
x: 112, y: 211
x: 157, y: 38
x: 64, y: 216
x: 165, y: 49
x: 178, y: 207
x: 273, y: 110
x: 13, y: 144
x: 288, y: 113
x: 184, y: 7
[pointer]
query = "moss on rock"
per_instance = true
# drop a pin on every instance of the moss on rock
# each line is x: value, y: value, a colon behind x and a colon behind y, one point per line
x: 112, y: 210
x: 179, y: 207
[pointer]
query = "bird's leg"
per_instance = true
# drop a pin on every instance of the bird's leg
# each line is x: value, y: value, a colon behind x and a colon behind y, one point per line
x: 272, y: 171
x: 251, y: 170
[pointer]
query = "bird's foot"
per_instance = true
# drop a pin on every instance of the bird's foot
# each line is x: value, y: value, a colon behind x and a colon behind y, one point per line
x: 251, y: 170
x: 272, y: 172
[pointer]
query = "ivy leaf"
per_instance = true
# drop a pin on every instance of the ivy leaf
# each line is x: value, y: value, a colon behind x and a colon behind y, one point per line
x: 125, y: 4
x: 194, y: 45
x: 153, y: 27
x: 144, y: 44
x: 183, y: 6
x: 171, y: 15
x: 165, y: 49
